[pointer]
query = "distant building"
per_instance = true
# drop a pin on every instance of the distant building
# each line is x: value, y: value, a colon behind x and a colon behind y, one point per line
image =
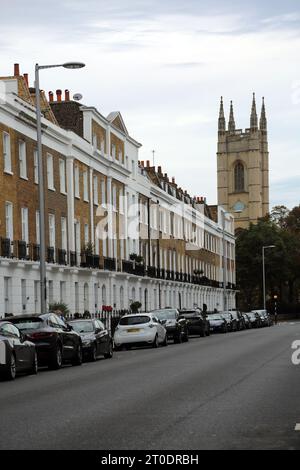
x: 243, y: 167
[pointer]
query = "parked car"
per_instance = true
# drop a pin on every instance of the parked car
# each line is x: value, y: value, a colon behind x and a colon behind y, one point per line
x: 197, y: 322
x: 237, y: 316
x: 140, y: 329
x: 174, y: 323
x: 217, y: 323
x: 265, y: 317
x: 55, y: 341
x: 255, y: 320
x: 17, y: 354
x: 96, y: 340
x: 231, y: 322
x: 247, y: 321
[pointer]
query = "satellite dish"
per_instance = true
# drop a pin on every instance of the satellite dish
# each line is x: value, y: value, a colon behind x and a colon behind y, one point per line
x: 77, y: 97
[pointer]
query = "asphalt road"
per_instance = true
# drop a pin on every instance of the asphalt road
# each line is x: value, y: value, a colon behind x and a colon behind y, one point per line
x: 234, y: 391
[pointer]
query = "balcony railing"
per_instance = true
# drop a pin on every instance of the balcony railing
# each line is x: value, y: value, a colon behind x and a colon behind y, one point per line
x: 152, y: 271
x: 139, y: 270
x: 50, y: 255
x: 109, y: 264
x: 61, y: 256
x: 127, y: 266
x: 5, y: 247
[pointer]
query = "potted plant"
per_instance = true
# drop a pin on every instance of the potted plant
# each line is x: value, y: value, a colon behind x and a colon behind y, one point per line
x: 88, y: 252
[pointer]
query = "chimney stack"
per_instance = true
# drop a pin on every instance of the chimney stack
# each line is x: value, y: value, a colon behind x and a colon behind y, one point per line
x: 148, y: 163
x: 16, y: 70
x: 67, y: 95
x: 58, y: 96
x: 50, y: 96
x: 159, y: 169
x: 142, y: 163
x: 26, y: 78
x: 173, y: 180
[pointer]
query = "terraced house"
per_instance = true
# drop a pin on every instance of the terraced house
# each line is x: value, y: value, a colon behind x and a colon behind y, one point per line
x: 117, y: 229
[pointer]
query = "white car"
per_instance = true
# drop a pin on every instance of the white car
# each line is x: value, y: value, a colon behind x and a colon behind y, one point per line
x: 140, y: 329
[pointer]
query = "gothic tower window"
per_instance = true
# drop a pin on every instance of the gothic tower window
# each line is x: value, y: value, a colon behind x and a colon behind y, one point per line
x: 239, y: 177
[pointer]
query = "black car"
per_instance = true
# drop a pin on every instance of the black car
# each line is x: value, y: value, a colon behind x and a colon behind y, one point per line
x: 17, y: 354
x: 55, y: 341
x: 197, y: 322
x: 237, y: 316
x: 96, y: 340
x: 255, y: 320
x: 217, y: 323
x: 174, y: 323
x: 247, y: 321
x: 232, y: 324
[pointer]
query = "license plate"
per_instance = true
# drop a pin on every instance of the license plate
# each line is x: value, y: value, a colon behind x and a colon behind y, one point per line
x: 133, y: 330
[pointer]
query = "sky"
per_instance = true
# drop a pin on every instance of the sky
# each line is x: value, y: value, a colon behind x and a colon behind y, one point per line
x: 164, y: 65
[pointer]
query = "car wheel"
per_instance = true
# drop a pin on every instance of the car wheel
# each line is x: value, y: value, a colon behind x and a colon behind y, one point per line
x: 93, y: 353
x: 10, y: 373
x: 155, y: 342
x: 165, y: 343
x: 109, y: 353
x: 207, y: 332
x: 34, y: 368
x: 202, y: 333
x: 56, y: 361
x: 186, y: 337
x: 77, y: 361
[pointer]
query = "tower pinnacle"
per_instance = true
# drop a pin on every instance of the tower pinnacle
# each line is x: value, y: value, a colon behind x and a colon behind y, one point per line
x: 253, y: 119
x: 263, y: 118
x: 222, y: 122
x: 231, y: 124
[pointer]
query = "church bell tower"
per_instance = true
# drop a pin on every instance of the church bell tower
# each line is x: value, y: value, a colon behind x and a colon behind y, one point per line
x: 243, y: 167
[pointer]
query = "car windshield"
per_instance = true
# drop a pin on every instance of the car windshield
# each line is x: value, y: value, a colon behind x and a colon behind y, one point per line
x: 189, y: 312
x: 28, y: 324
x: 215, y: 317
x: 82, y: 326
x: 165, y: 314
x: 134, y: 320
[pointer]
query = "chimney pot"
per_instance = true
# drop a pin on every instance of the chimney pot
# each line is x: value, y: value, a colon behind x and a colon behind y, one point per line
x: 67, y: 95
x: 142, y: 163
x: 148, y: 163
x: 173, y: 180
x: 50, y: 96
x: 159, y: 169
x: 58, y: 95
x: 16, y: 70
x: 26, y: 78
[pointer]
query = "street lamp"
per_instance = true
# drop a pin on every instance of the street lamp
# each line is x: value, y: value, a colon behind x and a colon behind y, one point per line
x: 264, y: 271
x: 43, y: 286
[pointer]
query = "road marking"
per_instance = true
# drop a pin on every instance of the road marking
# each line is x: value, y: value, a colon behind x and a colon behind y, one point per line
x: 297, y: 427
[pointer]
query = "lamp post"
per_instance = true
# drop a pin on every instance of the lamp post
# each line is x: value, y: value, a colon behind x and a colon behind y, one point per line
x: 43, y: 285
x: 264, y: 271
x: 224, y: 213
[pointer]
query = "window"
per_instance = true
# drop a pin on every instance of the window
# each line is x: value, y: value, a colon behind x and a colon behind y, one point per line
x: 62, y: 175
x: 64, y: 242
x: 95, y: 141
x: 96, y: 195
x: 37, y: 227
x: 85, y: 186
x: 103, y: 193
x: 35, y: 167
x: 239, y: 177
x: 102, y: 146
x: 52, y: 230
x: 9, y: 220
x: 86, y: 233
x: 22, y: 159
x: 6, y: 152
x: 120, y: 156
x: 24, y: 222
x: 114, y: 197
x: 121, y: 202
x: 113, y: 151
x: 76, y: 182
x: 50, y: 177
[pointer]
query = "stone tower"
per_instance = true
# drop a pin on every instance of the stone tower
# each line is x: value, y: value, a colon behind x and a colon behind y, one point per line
x: 243, y: 167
